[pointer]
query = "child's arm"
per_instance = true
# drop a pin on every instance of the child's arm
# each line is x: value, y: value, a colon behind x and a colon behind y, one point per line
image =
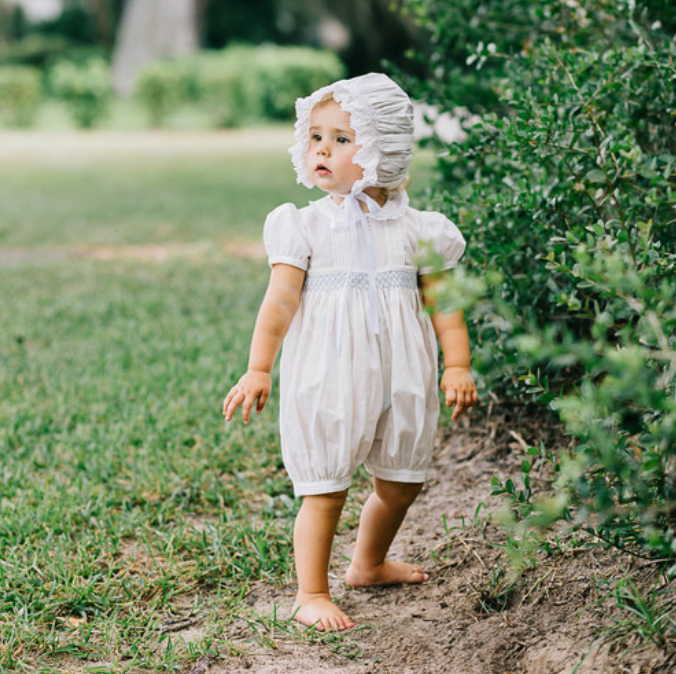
x: 451, y: 331
x: 274, y: 318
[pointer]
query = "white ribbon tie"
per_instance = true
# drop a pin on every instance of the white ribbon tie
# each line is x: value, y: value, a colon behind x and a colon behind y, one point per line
x: 354, y: 219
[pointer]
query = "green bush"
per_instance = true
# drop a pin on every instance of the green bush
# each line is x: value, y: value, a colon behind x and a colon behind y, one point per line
x: 244, y: 82
x: 284, y: 74
x: 237, y: 84
x: 85, y: 89
x: 226, y: 85
x: 162, y: 87
x: 20, y: 94
x: 565, y: 188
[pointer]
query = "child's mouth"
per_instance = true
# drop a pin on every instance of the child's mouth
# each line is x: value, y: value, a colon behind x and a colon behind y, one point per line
x: 322, y: 170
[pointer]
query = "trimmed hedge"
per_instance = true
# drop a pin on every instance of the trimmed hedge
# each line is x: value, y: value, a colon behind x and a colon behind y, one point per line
x: 20, y: 94
x: 162, y: 87
x: 85, y: 89
x: 238, y: 84
x: 227, y: 86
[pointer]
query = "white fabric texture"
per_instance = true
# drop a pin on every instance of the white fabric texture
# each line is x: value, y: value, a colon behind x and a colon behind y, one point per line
x: 381, y: 115
x: 374, y: 401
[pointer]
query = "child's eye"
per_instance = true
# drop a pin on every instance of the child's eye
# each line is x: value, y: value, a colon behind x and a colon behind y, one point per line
x: 343, y: 139
x: 316, y: 137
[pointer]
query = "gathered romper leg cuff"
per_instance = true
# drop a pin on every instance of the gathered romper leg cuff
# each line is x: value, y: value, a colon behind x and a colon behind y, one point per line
x: 321, y: 487
x: 396, y: 474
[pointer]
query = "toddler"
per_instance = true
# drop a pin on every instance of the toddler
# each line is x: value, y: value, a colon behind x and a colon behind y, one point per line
x: 359, y: 368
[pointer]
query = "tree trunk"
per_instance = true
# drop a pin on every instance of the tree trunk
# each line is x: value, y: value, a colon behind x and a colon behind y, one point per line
x: 151, y: 29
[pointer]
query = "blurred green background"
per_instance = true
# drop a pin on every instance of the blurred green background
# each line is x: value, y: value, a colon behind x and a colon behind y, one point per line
x: 185, y: 63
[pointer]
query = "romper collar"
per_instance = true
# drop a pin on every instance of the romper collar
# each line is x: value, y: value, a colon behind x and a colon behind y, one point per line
x: 393, y: 208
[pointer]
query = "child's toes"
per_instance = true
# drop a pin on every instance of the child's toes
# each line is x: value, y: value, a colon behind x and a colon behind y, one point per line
x: 346, y: 624
x: 417, y: 575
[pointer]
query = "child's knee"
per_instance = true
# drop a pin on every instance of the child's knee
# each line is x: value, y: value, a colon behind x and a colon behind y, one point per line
x: 397, y: 494
x: 327, y: 502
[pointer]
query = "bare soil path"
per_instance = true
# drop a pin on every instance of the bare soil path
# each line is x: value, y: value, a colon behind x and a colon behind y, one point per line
x: 470, y: 617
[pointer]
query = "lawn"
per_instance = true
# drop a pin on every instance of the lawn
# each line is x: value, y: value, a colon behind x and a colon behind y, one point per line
x: 126, y: 506
x: 64, y: 189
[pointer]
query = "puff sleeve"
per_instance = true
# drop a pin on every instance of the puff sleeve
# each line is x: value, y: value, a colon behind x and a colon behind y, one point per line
x: 283, y: 238
x: 444, y: 237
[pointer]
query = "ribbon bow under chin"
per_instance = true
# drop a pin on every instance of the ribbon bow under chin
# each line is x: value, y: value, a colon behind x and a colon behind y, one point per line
x: 355, y: 218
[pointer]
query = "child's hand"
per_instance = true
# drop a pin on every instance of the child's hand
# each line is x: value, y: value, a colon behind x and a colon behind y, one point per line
x: 458, y: 385
x: 253, y: 386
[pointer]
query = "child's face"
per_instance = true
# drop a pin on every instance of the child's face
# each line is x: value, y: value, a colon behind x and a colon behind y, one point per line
x: 332, y: 146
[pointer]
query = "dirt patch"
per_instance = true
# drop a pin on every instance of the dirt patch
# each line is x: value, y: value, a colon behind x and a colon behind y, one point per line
x: 471, y: 617
x: 145, y: 253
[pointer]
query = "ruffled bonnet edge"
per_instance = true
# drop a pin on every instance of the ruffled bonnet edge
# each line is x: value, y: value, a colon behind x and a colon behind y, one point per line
x: 388, y: 140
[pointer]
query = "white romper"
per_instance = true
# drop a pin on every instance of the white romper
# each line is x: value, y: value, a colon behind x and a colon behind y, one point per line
x: 375, y: 400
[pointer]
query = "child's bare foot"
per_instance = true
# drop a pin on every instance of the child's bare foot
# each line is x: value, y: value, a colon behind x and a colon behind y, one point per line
x: 388, y: 573
x: 319, y: 611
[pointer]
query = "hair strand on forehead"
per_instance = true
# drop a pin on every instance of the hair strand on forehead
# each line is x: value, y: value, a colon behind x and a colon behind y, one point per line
x: 324, y: 99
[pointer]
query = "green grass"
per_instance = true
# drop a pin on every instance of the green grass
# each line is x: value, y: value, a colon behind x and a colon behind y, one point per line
x: 74, y: 195
x: 125, y: 502
x: 124, y: 114
x: 115, y: 455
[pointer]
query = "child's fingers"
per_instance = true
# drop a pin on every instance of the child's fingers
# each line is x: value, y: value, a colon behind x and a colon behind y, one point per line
x: 232, y: 402
x: 459, y: 405
x: 459, y: 409
x: 451, y: 397
x: 460, y: 400
x: 228, y: 401
x: 248, y: 403
x: 262, y: 399
x: 465, y: 401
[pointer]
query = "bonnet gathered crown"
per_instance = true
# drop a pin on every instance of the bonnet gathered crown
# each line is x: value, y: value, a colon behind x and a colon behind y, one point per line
x: 381, y: 115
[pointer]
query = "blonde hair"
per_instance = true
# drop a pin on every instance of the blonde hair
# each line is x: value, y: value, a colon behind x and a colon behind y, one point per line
x: 391, y: 192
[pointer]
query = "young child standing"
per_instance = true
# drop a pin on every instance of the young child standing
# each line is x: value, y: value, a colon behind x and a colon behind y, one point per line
x: 359, y: 371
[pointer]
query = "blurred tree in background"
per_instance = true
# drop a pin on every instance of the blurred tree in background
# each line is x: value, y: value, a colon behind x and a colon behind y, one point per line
x: 128, y: 35
x: 361, y: 32
x: 151, y: 30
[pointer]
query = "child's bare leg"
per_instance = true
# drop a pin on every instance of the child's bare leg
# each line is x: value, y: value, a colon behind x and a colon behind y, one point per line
x: 313, y: 536
x: 383, y: 513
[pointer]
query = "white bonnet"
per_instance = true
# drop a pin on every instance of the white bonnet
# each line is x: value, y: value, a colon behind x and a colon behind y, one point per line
x: 381, y: 115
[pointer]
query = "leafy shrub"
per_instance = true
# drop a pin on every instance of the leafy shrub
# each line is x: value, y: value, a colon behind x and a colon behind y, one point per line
x: 20, y: 94
x: 237, y: 84
x: 85, y: 89
x: 162, y: 87
x: 565, y: 188
x: 284, y: 74
x: 226, y: 85
x: 244, y: 82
